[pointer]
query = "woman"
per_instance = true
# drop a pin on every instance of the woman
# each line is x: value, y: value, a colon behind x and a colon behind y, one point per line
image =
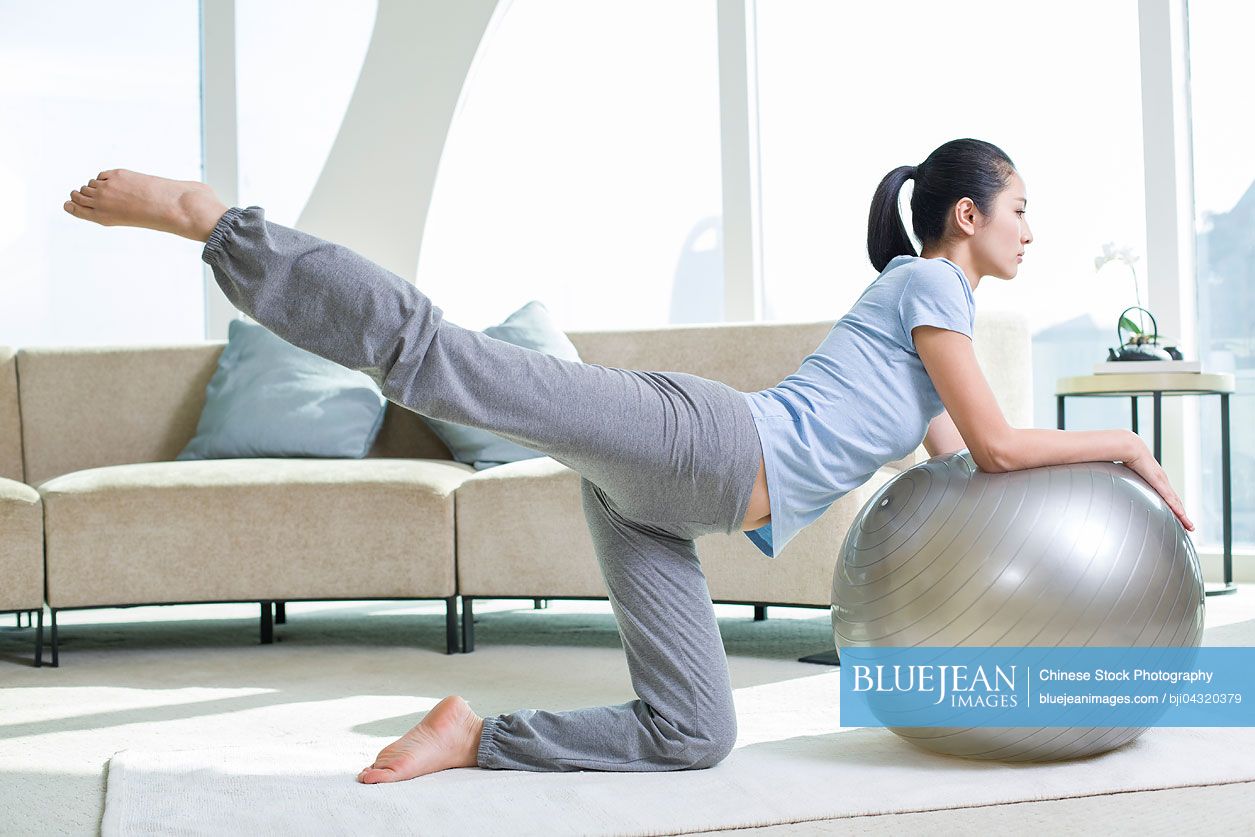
x: 664, y: 457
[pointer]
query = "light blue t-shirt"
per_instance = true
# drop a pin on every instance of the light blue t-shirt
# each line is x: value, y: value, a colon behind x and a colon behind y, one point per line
x: 860, y: 400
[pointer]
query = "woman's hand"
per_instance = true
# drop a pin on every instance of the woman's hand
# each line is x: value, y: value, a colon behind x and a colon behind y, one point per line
x: 1142, y: 462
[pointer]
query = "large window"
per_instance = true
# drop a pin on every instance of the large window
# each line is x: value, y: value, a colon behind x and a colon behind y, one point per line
x: 87, y: 86
x: 1221, y: 63
x: 849, y: 91
x: 583, y: 170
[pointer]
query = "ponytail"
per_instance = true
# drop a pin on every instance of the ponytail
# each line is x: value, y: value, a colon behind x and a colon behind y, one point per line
x: 886, y: 234
x: 961, y: 168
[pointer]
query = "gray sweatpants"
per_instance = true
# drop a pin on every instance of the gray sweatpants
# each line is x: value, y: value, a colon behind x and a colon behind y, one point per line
x: 664, y: 458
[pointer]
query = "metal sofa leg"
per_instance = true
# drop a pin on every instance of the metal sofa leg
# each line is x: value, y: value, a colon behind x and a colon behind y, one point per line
x: 760, y: 613
x: 56, y: 662
x: 39, y: 641
x: 540, y: 604
x: 267, y: 623
x: 281, y: 613
x: 468, y: 625
x: 451, y: 625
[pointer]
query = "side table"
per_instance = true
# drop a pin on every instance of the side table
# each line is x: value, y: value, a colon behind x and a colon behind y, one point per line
x: 1157, y: 385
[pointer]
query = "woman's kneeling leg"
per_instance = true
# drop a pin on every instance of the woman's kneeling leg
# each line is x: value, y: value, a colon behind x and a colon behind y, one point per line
x: 684, y: 716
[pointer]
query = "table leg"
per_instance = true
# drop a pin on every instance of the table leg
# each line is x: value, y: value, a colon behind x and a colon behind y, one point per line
x: 1226, y: 499
x: 1158, y: 432
x: 1059, y: 411
x: 1226, y: 502
x: 1134, y: 399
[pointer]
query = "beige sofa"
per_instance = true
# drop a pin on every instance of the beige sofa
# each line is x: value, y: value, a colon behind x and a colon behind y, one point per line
x: 124, y: 524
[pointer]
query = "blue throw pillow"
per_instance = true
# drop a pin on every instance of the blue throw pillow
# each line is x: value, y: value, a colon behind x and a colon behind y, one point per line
x: 532, y: 327
x: 270, y: 398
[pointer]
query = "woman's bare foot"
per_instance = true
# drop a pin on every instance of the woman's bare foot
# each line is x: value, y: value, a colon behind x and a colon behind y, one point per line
x: 448, y: 736
x: 124, y: 198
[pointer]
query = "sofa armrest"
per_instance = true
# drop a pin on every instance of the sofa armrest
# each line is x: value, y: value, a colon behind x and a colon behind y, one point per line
x: 21, y: 547
x: 11, y: 466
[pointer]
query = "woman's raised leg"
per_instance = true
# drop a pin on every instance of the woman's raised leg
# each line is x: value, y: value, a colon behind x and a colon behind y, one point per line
x: 636, y: 434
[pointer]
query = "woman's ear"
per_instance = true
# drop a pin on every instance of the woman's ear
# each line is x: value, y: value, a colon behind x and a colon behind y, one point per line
x: 965, y: 216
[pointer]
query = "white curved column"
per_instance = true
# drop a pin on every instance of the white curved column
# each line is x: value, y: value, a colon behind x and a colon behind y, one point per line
x: 375, y: 189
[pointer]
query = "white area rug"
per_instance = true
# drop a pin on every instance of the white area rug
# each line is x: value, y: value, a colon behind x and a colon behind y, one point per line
x: 775, y: 775
x: 865, y: 771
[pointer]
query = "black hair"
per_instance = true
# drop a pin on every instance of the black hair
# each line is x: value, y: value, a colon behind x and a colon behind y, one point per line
x: 961, y: 168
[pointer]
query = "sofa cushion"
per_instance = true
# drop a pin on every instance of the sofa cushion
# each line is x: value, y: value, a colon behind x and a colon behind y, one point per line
x: 251, y: 529
x: 21, y: 547
x: 270, y: 398
x: 533, y: 328
x: 521, y: 532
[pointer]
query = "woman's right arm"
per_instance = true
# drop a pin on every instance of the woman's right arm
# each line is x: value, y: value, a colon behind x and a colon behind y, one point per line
x: 950, y: 360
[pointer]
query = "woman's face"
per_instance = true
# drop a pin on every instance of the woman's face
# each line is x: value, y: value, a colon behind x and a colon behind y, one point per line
x: 998, y: 245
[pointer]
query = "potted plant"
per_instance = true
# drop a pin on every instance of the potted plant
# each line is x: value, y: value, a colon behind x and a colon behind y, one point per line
x: 1134, y: 341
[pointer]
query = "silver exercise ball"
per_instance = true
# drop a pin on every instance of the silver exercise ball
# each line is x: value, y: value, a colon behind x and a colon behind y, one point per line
x: 945, y: 554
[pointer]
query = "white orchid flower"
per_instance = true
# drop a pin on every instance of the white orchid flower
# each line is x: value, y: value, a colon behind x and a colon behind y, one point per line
x: 1125, y: 254
x: 1112, y: 253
